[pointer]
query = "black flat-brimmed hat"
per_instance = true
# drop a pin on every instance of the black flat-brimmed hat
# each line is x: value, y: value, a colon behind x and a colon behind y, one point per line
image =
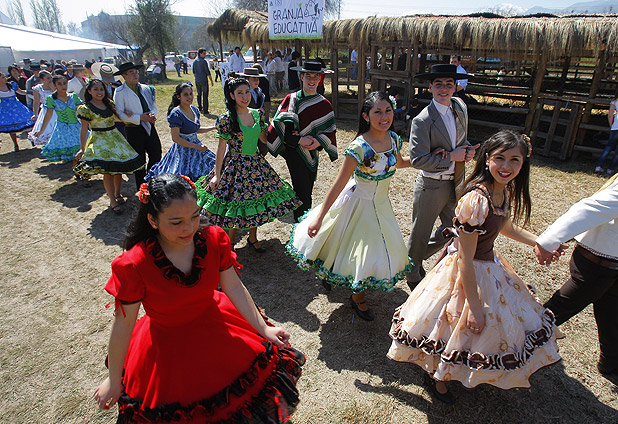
x: 124, y: 67
x: 250, y: 72
x: 310, y: 68
x: 35, y: 67
x: 443, y: 71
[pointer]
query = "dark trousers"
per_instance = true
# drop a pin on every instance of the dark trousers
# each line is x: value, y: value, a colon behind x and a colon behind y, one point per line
x: 591, y: 283
x: 302, y: 180
x: 144, y: 144
x: 217, y: 75
x: 185, y: 67
x: 202, y: 96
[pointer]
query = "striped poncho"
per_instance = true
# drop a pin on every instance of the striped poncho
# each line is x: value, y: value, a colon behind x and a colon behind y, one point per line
x: 311, y: 115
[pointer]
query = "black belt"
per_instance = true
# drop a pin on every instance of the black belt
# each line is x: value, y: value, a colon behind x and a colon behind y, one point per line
x: 103, y: 129
x: 603, y: 262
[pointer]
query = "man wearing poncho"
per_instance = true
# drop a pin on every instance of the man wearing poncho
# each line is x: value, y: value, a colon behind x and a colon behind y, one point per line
x: 303, y: 125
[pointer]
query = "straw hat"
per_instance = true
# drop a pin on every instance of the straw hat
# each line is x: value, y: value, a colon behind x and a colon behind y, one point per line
x: 105, y: 72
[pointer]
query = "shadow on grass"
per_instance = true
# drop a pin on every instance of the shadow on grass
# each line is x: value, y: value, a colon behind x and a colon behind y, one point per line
x: 288, y: 289
x: 553, y: 398
x: 56, y: 170
x: 75, y: 196
x: 111, y: 228
x: 16, y: 159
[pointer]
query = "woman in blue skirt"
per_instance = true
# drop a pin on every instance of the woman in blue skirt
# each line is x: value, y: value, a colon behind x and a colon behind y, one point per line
x: 187, y: 156
x: 14, y: 116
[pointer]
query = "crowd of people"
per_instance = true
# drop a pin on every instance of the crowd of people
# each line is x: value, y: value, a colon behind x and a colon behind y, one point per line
x: 469, y: 318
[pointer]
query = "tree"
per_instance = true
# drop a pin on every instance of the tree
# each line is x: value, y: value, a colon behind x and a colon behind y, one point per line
x: 73, y: 29
x: 151, y: 22
x: 16, y: 12
x: 47, y: 15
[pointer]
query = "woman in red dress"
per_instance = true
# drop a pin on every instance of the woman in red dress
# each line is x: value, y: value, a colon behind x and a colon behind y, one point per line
x: 199, y: 354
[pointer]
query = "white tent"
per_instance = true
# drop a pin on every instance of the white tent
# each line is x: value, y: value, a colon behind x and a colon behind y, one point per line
x: 37, y: 44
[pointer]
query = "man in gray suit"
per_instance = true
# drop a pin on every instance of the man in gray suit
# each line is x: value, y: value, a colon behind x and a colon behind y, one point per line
x: 439, y: 148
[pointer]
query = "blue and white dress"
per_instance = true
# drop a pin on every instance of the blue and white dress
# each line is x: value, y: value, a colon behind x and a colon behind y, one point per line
x: 43, y: 138
x: 14, y: 116
x: 64, y: 140
x: 184, y: 160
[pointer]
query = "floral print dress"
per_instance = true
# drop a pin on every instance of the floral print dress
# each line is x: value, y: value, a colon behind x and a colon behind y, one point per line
x: 250, y: 192
x: 359, y: 245
x: 430, y: 328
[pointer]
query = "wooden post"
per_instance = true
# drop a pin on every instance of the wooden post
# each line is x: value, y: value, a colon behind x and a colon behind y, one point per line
x: 255, y: 58
x: 374, y: 58
x: 361, y: 77
x: 552, y: 128
x: 334, y: 65
x: 599, y: 72
x: 220, y: 47
x: 565, y: 73
x: 536, y: 89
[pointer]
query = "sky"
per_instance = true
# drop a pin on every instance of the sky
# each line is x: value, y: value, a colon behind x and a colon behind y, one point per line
x: 74, y: 11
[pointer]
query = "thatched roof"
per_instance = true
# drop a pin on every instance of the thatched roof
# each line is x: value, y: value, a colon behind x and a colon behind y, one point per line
x: 232, y: 22
x: 554, y: 36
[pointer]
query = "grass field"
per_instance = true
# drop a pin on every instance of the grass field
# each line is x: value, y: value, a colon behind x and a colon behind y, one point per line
x: 57, y: 241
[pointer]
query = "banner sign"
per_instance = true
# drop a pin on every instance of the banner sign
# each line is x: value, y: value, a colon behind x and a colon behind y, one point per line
x: 290, y: 19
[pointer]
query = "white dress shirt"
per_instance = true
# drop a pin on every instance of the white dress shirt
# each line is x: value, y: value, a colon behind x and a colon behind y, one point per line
x: 592, y: 221
x: 448, y: 117
x: 126, y: 99
x: 237, y: 63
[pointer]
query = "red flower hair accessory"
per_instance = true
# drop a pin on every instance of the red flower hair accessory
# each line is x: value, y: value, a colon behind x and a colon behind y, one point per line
x: 144, y: 195
x: 191, y: 183
x: 529, y: 143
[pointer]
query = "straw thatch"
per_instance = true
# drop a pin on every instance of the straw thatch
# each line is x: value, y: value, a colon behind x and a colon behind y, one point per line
x: 553, y: 36
x: 231, y: 24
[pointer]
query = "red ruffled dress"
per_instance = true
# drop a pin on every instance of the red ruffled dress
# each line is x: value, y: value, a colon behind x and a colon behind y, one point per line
x: 193, y: 358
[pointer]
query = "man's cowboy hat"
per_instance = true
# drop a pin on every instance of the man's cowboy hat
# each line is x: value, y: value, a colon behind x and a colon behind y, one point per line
x: 105, y: 72
x: 124, y: 67
x: 250, y: 72
x: 443, y: 71
x: 311, y: 68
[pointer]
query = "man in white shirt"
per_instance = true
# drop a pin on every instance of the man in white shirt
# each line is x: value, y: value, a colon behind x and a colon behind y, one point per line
x: 354, y: 63
x: 439, y: 148
x: 593, y: 223
x: 462, y: 84
x: 237, y: 61
x: 77, y: 84
x: 136, y: 106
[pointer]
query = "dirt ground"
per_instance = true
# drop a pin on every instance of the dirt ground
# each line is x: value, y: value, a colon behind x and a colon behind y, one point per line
x: 57, y: 240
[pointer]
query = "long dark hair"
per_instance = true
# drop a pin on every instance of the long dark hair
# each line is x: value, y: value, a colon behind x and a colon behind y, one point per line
x: 370, y: 100
x: 55, y: 79
x: 518, y: 186
x: 176, y: 96
x: 162, y: 189
x: 231, y: 85
x: 107, y: 101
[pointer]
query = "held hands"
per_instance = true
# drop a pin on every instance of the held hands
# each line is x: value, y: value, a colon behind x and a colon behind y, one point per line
x: 440, y: 151
x: 202, y: 148
x: 128, y: 113
x: 79, y: 154
x: 309, y: 142
x: 148, y: 117
x: 107, y: 394
x: 546, y: 257
x: 464, y: 153
x: 277, y: 336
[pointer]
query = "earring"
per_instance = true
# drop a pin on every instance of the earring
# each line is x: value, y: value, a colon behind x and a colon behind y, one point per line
x: 155, y: 227
x: 486, y: 167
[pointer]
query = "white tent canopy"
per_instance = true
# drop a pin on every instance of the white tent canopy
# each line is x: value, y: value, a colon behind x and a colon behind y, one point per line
x: 37, y: 44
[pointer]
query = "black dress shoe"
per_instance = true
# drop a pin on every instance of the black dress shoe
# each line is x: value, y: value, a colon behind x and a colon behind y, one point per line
x: 260, y: 249
x: 607, y: 372
x: 447, y: 397
x: 366, y: 315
